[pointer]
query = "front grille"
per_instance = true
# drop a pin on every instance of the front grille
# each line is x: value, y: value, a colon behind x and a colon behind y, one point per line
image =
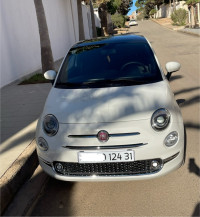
x: 108, y: 169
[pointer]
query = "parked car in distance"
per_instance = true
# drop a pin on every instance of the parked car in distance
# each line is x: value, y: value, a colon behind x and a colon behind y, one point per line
x: 110, y: 114
x: 133, y: 23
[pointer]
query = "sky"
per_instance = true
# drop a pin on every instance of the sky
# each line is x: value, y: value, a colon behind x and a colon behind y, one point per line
x: 133, y: 8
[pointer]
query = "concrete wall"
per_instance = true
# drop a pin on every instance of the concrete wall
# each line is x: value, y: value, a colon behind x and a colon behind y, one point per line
x: 87, y: 21
x: 97, y: 18
x: 19, y: 41
x: 165, y: 10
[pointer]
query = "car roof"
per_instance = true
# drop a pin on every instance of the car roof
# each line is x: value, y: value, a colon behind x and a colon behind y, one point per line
x: 112, y: 39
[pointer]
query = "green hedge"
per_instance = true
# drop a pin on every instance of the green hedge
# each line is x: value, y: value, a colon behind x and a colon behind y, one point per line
x: 179, y: 17
x: 118, y: 20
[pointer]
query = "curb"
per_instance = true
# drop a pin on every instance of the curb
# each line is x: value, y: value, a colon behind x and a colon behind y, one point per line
x: 19, y: 172
x: 189, y: 33
x: 28, y: 195
x: 176, y: 29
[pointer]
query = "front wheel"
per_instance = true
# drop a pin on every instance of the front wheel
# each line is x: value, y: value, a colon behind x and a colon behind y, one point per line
x: 185, y: 145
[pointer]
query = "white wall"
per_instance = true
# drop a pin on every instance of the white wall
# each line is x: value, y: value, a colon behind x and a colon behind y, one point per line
x: 19, y: 41
x: 97, y: 18
x: 86, y: 14
x: 166, y: 11
x: 60, y: 25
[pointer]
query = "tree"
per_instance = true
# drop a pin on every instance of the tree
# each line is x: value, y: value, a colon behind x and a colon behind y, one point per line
x: 45, y: 44
x: 103, y: 10
x: 191, y: 5
x: 146, y: 6
x: 125, y: 7
x: 105, y: 7
x: 80, y: 20
x: 94, y: 31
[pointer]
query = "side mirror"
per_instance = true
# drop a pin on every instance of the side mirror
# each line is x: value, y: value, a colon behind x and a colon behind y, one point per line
x: 50, y: 75
x: 172, y: 67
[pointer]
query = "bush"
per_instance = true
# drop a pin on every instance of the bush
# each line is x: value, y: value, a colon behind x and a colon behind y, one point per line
x: 179, y: 17
x: 152, y: 12
x: 141, y: 16
x: 118, y: 20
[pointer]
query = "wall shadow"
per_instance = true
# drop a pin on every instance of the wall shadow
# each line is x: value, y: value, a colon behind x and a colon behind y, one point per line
x: 180, y: 101
x: 56, y: 199
x: 193, y: 168
x: 196, y: 212
x: 192, y: 125
x: 193, y: 100
x: 132, y: 33
x: 186, y: 90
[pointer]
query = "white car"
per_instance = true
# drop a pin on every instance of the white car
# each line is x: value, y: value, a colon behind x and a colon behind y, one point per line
x: 110, y: 114
x: 133, y: 23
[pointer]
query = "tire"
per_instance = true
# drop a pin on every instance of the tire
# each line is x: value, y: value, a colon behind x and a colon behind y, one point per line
x: 185, y: 145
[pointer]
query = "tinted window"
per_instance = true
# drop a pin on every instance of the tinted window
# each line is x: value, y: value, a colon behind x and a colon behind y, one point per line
x: 103, y: 65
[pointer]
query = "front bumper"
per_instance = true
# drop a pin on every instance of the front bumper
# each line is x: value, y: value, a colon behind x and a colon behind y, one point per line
x: 147, y: 145
x: 167, y: 165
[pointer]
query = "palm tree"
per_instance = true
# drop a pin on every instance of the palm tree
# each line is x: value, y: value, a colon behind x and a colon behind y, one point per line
x: 80, y: 20
x: 191, y: 5
x: 45, y: 44
x: 103, y: 11
x: 94, y: 30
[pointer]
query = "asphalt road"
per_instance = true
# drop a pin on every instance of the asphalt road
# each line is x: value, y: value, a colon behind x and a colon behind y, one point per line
x: 176, y: 194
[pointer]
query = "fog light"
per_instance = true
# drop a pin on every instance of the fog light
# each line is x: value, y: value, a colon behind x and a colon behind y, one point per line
x: 42, y: 144
x: 59, y: 167
x: 171, y: 139
x: 155, y: 165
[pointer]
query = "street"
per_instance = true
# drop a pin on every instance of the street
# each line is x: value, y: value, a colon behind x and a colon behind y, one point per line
x: 176, y: 194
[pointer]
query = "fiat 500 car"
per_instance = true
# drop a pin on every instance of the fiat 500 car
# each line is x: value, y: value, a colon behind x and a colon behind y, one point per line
x: 110, y: 114
x: 132, y: 23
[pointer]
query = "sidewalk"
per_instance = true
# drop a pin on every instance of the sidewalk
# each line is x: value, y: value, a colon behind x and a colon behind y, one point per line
x: 21, y: 106
x: 167, y: 23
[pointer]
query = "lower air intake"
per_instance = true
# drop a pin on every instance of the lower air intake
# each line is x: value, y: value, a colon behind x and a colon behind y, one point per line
x: 108, y: 169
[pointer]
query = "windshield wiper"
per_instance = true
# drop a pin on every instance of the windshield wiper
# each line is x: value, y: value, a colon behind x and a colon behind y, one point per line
x: 100, y: 82
x: 115, y: 81
x: 67, y: 84
x: 131, y: 81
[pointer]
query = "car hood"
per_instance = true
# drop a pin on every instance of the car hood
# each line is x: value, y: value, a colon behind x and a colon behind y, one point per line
x: 110, y: 104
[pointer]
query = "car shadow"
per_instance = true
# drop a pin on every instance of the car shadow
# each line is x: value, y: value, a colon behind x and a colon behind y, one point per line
x: 175, y: 77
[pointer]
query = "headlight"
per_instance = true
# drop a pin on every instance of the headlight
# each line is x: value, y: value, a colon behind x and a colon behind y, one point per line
x: 50, y: 125
x: 42, y: 144
x: 160, y: 119
x: 171, y: 139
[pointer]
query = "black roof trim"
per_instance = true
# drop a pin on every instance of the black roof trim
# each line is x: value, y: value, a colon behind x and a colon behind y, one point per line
x: 112, y: 39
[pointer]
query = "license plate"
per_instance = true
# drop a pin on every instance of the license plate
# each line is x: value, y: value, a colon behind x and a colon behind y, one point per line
x: 106, y: 156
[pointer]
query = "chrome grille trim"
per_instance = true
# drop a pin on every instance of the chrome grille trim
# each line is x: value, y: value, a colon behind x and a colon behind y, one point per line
x: 104, y: 147
x: 170, y: 158
x: 110, y: 135
x: 46, y: 162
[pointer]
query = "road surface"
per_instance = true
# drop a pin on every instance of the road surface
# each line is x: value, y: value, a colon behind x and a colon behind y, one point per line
x: 176, y: 194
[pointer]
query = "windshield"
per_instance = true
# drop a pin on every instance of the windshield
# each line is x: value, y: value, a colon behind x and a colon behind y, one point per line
x: 106, y: 65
